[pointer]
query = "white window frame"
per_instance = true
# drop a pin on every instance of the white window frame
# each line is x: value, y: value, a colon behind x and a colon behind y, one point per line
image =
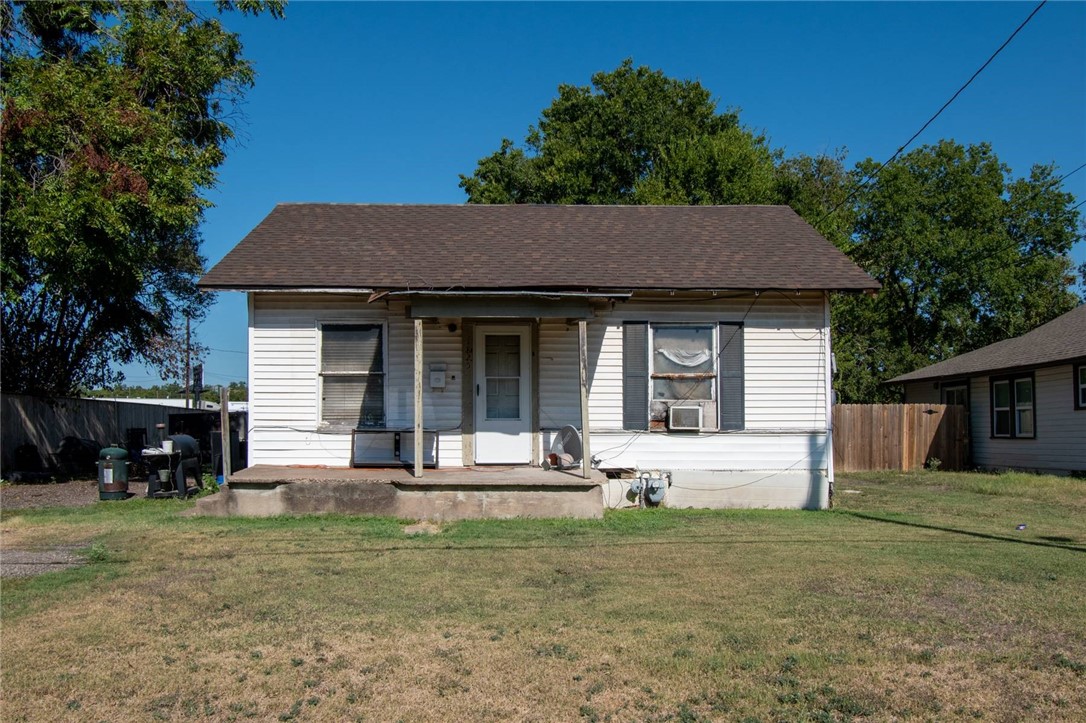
x: 1013, y: 411
x: 321, y: 374
x: 714, y: 351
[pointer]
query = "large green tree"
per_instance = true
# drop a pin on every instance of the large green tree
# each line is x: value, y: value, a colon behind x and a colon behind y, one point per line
x: 633, y: 136
x: 967, y: 255
x: 116, y: 117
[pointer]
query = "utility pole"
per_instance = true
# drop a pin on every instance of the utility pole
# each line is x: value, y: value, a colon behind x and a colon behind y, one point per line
x: 188, y: 367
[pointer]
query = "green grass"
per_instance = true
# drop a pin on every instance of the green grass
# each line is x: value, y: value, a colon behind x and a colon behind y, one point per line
x: 916, y: 598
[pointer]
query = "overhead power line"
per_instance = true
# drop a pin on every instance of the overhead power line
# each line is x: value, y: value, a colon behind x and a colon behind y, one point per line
x: 871, y: 176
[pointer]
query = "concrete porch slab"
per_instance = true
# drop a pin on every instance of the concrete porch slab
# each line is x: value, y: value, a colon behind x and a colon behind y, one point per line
x: 484, y: 476
x: 440, y: 494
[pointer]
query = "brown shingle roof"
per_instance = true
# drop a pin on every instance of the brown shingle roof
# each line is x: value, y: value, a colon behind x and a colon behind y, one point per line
x: 338, y: 246
x: 1060, y: 340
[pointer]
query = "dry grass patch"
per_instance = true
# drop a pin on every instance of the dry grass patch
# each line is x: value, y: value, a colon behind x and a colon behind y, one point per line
x: 672, y: 615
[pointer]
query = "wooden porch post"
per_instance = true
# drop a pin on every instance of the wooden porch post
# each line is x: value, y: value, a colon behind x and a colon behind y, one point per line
x: 224, y: 420
x: 418, y: 397
x: 586, y: 447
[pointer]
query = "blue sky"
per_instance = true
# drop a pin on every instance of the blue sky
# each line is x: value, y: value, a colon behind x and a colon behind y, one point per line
x: 389, y: 103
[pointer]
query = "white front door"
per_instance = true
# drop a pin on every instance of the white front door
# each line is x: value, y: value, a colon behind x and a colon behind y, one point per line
x: 502, y: 399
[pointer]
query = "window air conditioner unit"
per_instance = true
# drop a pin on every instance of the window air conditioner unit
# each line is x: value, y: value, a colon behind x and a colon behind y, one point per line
x: 684, y: 419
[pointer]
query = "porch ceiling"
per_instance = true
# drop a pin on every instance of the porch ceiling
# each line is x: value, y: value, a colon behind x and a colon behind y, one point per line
x: 506, y: 306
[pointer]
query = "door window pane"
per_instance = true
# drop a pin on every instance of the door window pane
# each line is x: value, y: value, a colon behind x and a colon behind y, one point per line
x: 503, y: 398
x: 502, y: 370
x: 503, y: 355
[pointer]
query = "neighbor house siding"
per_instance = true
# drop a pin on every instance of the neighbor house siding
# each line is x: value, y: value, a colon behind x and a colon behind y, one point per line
x: 1060, y: 442
x: 926, y: 392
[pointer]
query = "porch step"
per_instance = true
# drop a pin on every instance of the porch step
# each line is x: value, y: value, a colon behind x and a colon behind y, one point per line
x: 439, y: 495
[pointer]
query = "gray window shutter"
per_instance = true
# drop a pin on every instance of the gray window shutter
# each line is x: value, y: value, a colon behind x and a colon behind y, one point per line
x: 730, y: 398
x: 635, y: 375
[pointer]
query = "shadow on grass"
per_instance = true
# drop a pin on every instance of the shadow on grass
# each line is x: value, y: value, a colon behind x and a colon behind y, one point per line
x: 969, y: 533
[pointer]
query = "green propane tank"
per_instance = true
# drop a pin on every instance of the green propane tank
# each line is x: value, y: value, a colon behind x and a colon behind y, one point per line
x: 113, y: 473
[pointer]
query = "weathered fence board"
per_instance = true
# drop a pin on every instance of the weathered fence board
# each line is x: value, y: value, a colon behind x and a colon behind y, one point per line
x: 899, y: 436
x: 31, y: 420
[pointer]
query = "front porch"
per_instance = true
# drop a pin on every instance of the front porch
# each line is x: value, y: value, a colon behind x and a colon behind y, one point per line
x: 442, y: 494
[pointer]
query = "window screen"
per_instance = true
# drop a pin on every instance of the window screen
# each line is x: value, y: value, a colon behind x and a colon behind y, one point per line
x: 353, y: 375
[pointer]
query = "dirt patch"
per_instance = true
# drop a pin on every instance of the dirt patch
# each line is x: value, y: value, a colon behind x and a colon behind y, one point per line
x: 424, y: 527
x: 25, y: 563
x: 77, y: 493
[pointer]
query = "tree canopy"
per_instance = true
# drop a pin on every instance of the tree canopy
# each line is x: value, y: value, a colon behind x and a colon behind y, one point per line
x: 116, y: 117
x: 237, y: 392
x: 633, y: 136
x: 967, y: 253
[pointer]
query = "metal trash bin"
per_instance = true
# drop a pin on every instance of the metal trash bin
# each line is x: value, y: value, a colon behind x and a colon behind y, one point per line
x: 113, y: 473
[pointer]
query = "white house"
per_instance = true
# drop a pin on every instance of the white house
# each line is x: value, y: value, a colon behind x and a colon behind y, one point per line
x: 1026, y: 397
x: 701, y: 334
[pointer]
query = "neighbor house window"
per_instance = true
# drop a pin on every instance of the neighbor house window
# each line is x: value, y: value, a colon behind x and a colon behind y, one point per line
x: 353, y: 375
x: 956, y: 394
x: 1080, y: 386
x: 1013, y: 410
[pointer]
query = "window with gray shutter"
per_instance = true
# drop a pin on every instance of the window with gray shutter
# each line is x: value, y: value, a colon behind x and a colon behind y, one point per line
x: 635, y: 375
x: 353, y: 375
x: 730, y: 396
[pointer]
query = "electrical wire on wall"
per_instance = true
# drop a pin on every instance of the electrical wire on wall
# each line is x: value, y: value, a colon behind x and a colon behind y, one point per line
x: 597, y: 460
x: 820, y: 403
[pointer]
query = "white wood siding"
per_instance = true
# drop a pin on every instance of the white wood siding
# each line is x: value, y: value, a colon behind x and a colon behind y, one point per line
x: 441, y: 408
x: 1060, y: 444
x: 802, y: 489
x: 785, y: 381
x: 284, y: 378
x: 784, y: 395
x: 559, y: 375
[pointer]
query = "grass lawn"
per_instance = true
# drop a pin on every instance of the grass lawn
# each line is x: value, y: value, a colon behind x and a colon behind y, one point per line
x: 916, y: 598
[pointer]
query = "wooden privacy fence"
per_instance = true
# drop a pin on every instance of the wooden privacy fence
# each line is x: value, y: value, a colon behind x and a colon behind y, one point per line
x: 899, y: 436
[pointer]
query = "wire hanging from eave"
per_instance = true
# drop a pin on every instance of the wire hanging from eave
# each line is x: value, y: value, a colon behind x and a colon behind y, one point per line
x: 871, y: 176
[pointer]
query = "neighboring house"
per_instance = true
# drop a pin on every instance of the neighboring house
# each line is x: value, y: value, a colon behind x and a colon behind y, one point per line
x: 702, y: 334
x: 1026, y: 396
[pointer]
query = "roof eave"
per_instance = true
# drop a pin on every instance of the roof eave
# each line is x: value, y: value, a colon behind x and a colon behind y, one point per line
x: 993, y: 372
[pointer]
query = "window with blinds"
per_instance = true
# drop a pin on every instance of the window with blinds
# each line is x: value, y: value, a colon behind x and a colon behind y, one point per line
x: 353, y: 375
